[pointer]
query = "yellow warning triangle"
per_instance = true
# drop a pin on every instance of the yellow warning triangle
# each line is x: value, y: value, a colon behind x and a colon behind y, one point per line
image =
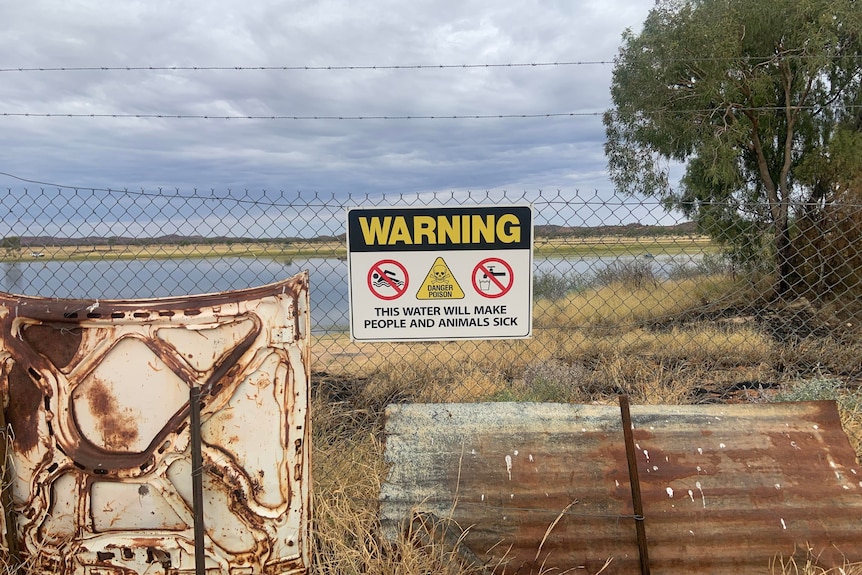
x: 440, y: 283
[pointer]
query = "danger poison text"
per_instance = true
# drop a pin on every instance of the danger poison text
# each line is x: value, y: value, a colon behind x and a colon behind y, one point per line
x: 441, y: 229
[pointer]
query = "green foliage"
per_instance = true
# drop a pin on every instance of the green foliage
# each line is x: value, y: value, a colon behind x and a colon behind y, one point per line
x: 757, y: 100
x: 634, y: 274
x: 547, y: 381
x: 709, y: 265
x: 817, y: 389
x: 849, y: 402
x: 829, y: 251
x: 555, y: 286
x: 10, y: 243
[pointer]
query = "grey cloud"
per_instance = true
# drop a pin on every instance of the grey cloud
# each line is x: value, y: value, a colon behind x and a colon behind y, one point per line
x: 328, y: 156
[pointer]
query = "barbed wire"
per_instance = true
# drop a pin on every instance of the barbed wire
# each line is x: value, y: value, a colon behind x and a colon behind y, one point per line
x: 300, y: 68
x: 296, y: 117
x: 372, y: 67
x: 344, y: 117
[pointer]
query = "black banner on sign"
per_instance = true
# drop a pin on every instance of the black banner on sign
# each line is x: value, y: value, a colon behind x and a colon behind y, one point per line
x: 428, y: 229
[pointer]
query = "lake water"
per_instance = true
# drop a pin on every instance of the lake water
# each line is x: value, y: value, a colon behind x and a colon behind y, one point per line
x: 131, y: 279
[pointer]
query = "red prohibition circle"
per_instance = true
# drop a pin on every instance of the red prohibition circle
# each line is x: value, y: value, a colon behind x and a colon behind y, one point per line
x: 489, y: 275
x: 380, y: 278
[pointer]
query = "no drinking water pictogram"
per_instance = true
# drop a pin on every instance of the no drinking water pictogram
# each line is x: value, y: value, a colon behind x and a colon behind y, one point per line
x: 493, y: 278
x: 388, y: 279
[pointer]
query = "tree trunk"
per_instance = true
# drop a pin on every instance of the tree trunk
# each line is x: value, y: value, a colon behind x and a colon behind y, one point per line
x: 783, y: 258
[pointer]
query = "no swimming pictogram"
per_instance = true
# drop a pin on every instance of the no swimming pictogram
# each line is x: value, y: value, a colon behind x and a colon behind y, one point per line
x: 493, y: 278
x: 388, y: 279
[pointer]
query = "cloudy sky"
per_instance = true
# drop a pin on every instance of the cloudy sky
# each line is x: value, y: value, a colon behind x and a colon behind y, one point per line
x: 373, y: 151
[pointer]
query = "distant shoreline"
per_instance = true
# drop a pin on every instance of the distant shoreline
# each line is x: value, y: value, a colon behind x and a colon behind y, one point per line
x: 594, y: 246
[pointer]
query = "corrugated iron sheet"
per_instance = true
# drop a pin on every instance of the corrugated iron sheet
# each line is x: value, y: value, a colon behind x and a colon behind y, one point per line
x: 725, y: 488
x: 97, y: 397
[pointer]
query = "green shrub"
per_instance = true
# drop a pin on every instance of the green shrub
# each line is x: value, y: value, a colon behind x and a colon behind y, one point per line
x: 636, y: 274
x: 555, y: 286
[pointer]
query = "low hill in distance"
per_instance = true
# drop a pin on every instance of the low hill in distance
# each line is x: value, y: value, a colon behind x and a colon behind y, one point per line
x: 540, y: 231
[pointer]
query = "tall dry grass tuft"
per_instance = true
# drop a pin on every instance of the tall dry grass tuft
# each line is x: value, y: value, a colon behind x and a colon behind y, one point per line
x: 809, y: 564
x: 623, y: 304
x: 348, y: 469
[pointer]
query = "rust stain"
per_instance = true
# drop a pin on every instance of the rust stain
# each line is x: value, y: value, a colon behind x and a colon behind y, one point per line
x: 58, y: 345
x: 22, y: 414
x: 117, y: 429
x: 546, y: 487
x: 59, y: 350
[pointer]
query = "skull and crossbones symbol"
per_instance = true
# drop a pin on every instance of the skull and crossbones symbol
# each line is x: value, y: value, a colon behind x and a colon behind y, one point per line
x: 439, y: 274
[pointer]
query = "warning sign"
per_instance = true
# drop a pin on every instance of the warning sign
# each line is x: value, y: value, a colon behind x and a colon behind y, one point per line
x: 475, y: 264
x: 493, y: 278
x: 388, y: 279
x: 440, y: 283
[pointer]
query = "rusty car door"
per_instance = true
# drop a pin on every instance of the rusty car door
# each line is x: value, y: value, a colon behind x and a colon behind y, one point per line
x: 158, y: 436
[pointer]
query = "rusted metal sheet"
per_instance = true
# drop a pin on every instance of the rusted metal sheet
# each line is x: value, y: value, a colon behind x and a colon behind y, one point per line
x: 97, y: 402
x: 725, y: 488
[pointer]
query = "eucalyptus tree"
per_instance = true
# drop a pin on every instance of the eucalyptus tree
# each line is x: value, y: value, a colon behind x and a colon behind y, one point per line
x: 755, y: 99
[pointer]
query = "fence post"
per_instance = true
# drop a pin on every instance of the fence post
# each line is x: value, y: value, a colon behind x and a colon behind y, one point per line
x: 634, y: 480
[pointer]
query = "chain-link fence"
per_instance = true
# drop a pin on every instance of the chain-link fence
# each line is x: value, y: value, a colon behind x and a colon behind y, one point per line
x: 628, y: 299
x: 615, y: 280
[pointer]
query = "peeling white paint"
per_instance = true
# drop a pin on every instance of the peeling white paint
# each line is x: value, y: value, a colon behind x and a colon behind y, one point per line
x: 531, y: 458
x: 136, y: 509
x: 515, y: 453
x: 702, y: 496
x: 700, y: 450
x: 646, y: 454
x: 778, y: 486
x: 783, y: 524
x: 669, y: 492
x: 721, y: 445
x: 509, y: 466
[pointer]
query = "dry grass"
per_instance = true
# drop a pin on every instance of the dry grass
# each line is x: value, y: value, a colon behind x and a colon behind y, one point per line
x: 319, y: 248
x: 658, y: 344
x: 299, y: 248
x: 809, y: 564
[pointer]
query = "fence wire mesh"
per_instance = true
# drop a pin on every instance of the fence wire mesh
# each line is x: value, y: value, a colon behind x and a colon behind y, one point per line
x: 628, y: 299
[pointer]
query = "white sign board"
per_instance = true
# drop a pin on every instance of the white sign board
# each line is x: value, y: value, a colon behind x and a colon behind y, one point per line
x: 441, y: 273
